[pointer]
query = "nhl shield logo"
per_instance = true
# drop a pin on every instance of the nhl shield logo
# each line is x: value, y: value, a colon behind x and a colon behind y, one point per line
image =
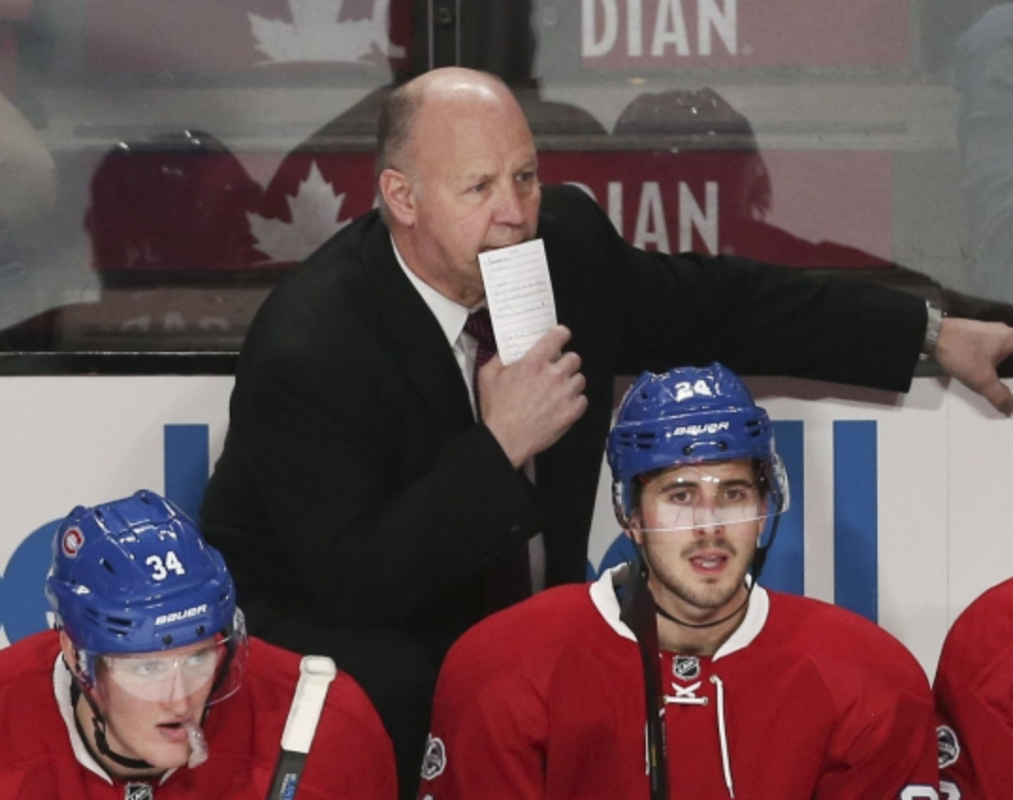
x: 949, y: 746
x: 686, y: 668
x: 435, y: 759
x: 139, y: 791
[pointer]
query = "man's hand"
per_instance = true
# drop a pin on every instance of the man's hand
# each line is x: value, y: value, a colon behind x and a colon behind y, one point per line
x: 970, y: 351
x: 529, y: 404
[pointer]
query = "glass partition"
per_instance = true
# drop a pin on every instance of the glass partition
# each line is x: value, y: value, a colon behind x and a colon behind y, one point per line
x: 164, y: 162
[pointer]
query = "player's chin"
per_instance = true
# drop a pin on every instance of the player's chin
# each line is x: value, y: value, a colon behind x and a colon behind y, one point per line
x: 167, y: 756
x: 173, y: 761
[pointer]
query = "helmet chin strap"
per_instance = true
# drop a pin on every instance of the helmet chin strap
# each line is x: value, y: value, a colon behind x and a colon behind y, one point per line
x: 684, y: 623
x: 112, y: 755
x: 99, y: 723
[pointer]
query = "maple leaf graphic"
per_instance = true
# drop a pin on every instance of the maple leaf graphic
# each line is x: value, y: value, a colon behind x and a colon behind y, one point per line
x: 314, y: 209
x: 315, y: 34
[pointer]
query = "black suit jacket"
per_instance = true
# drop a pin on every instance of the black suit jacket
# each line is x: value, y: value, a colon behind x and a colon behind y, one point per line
x: 355, y: 485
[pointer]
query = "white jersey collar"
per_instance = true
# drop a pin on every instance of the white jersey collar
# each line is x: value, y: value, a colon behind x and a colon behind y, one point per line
x: 61, y: 690
x: 603, y: 595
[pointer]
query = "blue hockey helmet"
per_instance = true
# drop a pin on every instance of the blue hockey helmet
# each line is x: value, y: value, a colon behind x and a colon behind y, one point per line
x: 136, y: 576
x: 691, y: 415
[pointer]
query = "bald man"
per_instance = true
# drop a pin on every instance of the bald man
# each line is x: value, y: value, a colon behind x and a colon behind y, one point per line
x: 370, y: 509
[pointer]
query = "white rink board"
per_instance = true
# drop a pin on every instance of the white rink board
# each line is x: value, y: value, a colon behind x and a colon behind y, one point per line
x: 943, y: 489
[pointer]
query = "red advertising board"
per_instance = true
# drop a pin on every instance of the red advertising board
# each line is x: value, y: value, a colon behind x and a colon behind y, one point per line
x: 802, y: 208
x: 666, y: 34
x: 169, y: 230
x: 225, y: 35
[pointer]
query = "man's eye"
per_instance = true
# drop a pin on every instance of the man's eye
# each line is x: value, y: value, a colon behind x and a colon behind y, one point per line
x: 740, y: 494
x: 201, y: 662
x: 148, y: 669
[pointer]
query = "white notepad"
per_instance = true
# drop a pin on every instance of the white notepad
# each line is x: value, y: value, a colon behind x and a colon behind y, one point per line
x: 518, y: 291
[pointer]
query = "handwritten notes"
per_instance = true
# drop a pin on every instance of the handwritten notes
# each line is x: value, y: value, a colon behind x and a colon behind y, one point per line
x: 519, y: 294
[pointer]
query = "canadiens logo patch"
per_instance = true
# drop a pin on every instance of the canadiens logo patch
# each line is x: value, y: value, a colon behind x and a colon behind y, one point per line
x: 435, y: 759
x: 949, y: 746
x: 73, y: 539
x: 139, y: 791
x: 686, y: 667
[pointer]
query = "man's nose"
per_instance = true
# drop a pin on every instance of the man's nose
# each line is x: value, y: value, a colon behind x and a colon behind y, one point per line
x: 509, y: 206
x: 706, y: 520
x: 178, y: 691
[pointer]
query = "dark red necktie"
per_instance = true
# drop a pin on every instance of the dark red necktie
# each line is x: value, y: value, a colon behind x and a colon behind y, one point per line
x: 479, y: 326
x: 509, y: 577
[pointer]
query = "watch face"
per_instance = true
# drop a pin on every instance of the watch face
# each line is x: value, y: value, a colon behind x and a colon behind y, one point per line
x: 933, y: 326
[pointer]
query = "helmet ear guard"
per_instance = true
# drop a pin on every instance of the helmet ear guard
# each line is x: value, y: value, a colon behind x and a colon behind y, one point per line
x: 78, y: 662
x: 620, y: 504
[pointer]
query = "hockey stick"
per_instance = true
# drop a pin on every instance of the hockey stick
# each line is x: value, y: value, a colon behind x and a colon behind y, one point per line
x: 316, y: 674
x: 638, y: 612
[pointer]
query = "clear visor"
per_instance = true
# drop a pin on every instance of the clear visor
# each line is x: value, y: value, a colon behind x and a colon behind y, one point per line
x: 706, y: 496
x: 213, y: 667
x: 167, y: 677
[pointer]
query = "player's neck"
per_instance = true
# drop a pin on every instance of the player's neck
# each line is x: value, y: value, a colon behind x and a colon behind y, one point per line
x: 692, y: 634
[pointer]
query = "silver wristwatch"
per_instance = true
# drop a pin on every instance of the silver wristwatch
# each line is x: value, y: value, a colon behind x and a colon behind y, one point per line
x: 933, y: 325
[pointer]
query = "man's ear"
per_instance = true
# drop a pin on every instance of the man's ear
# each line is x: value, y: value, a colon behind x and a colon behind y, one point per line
x: 633, y: 530
x: 398, y: 196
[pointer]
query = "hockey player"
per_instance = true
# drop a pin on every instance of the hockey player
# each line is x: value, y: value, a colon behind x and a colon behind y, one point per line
x: 974, y: 699
x: 151, y: 674
x: 679, y: 675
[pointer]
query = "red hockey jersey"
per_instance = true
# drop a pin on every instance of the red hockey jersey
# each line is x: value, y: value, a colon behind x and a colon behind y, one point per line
x: 43, y: 757
x: 805, y: 700
x: 974, y: 700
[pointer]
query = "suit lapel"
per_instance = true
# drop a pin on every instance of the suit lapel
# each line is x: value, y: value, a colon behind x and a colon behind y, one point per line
x: 418, y: 345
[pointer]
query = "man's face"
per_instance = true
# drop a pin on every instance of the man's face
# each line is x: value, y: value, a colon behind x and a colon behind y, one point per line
x: 149, y: 699
x: 699, y: 528
x: 474, y: 180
